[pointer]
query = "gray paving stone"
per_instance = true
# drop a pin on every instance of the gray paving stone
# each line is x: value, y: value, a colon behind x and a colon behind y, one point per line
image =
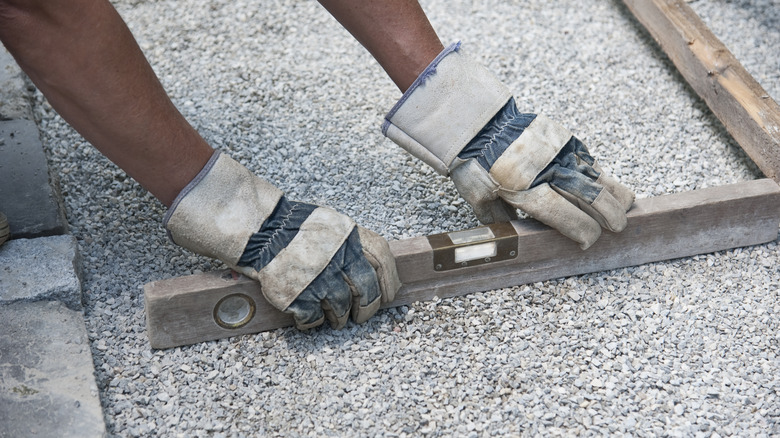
x: 47, y: 381
x: 27, y: 196
x: 45, y: 268
x: 14, y: 103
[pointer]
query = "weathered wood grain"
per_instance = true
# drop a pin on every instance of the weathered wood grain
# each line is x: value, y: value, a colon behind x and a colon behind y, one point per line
x: 749, y: 114
x: 180, y: 310
x: 660, y: 228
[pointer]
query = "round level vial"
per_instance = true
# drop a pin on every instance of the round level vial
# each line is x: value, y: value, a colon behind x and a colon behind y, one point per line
x: 234, y: 311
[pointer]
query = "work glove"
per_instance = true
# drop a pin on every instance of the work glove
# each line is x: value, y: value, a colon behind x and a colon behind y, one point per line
x: 462, y: 121
x: 310, y: 261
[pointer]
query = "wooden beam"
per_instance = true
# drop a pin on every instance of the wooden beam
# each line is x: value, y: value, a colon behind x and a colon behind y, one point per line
x: 742, y: 105
x: 180, y: 310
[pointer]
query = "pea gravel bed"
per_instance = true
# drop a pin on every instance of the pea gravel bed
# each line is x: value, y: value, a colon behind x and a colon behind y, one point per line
x: 687, y: 347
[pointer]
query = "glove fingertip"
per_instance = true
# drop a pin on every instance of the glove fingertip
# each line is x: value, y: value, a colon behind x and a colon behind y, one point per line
x: 586, y: 233
x: 589, y: 240
x: 336, y: 322
x: 300, y: 325
x: 623, y: 195
x: 608, y: 212
x: 361, y: 314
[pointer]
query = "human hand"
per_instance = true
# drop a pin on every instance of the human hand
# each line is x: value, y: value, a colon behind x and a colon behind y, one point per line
x: 530, y: 162
x: 460, y: 119
x: 310, y: 261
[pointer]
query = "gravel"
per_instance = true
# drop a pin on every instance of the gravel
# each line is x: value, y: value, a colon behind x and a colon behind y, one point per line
x: 681, y: 348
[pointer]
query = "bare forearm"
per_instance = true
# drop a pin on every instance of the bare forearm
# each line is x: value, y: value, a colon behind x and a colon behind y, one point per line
x: 85, y: 61
x: 397, y: 33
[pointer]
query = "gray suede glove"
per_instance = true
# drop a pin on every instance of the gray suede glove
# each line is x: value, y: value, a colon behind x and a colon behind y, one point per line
x: 310, y: 261
x: 460, y: 119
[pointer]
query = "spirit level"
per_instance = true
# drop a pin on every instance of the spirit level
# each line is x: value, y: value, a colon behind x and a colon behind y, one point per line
x: 214, y: 305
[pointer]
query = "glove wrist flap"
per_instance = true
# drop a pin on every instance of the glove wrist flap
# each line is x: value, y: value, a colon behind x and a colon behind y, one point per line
x: 221, y: 210
x: 447, y: 106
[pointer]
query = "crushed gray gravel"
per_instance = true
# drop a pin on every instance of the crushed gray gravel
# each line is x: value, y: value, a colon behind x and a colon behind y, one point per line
x: 686, y: 347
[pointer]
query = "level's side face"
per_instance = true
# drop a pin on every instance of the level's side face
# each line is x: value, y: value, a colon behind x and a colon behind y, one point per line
x: 659, y: 228
x: 181, y: 310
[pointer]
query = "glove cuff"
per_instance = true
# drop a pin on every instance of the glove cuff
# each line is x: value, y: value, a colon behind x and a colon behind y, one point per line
x: 220, y: 209
x: 446, y: 106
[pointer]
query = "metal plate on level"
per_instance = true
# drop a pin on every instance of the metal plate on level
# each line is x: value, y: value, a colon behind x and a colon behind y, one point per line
x: 473, y: 247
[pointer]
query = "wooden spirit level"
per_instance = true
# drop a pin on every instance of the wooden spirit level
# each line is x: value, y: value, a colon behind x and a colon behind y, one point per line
x: 214, y: 305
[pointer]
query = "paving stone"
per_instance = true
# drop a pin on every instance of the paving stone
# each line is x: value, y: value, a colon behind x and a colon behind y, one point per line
x: 45, y: 268
x: 47, y: 381
x: 27, y: 196
x: 14, y: 103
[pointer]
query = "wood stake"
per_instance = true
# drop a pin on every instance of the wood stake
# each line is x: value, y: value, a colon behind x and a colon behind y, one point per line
x: 742, y: 105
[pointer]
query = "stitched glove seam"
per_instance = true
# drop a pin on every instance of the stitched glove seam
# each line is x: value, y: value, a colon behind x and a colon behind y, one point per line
x: 261, y: 249
x: 488, y: 146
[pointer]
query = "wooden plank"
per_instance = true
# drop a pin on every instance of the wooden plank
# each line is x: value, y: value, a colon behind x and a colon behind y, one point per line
x: 180, y: 310
x: 749, y: 114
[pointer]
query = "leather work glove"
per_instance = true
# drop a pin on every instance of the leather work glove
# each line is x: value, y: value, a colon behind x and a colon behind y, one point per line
x: 311, y: 262
x: 461, y: 120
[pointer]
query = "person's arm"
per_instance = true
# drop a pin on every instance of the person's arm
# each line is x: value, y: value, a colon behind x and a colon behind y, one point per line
x: 313, y: 262
x: 83, y: 58
x: 396, y: 32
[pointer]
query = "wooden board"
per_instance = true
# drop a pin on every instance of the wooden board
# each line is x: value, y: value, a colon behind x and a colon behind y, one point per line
x: 742, y: 105
x: 180, y: 310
